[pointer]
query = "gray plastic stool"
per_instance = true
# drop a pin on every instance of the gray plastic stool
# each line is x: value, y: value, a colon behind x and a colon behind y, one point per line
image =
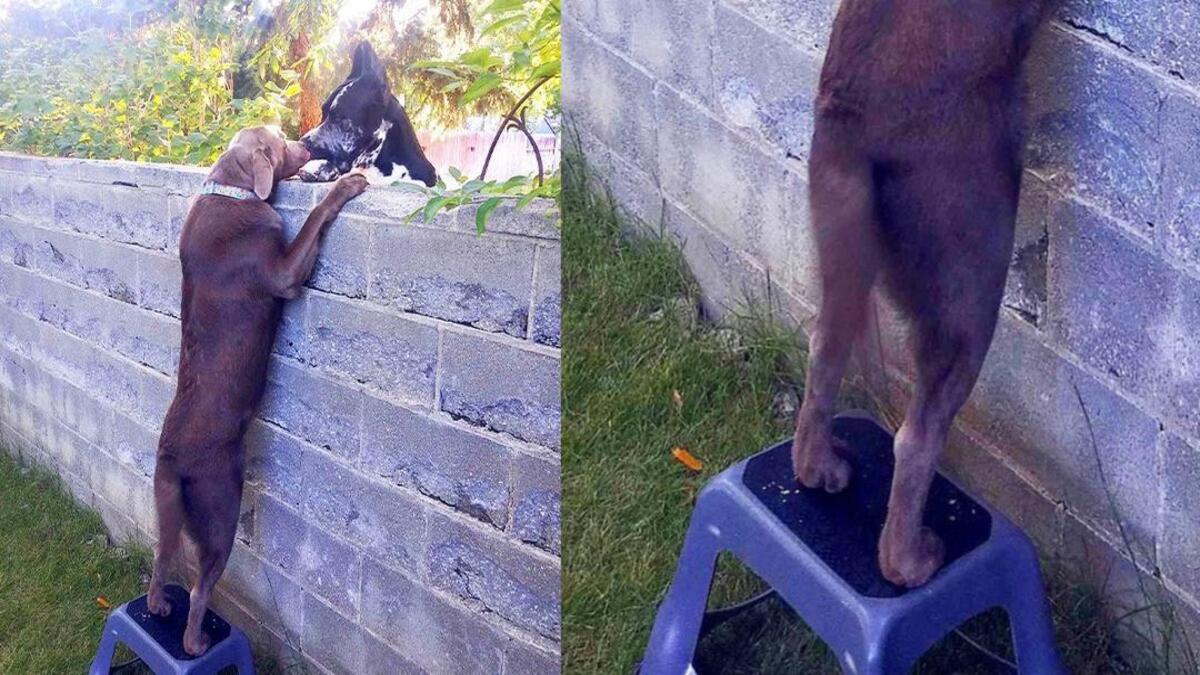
x: 158, y: 641
x: 818, y: 552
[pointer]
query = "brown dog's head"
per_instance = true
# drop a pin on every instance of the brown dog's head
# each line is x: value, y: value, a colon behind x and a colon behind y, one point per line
x: 257, y: 158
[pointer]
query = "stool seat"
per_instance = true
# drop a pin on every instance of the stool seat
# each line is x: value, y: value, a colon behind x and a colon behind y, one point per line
x: 818, y: 552
x: 158, y: 641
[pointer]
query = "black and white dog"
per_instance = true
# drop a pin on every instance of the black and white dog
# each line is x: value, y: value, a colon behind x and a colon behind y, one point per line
x: 364, y: 126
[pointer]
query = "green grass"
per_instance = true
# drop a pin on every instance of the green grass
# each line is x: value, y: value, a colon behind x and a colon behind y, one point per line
x: 628, y: 502
x: 55, y: 561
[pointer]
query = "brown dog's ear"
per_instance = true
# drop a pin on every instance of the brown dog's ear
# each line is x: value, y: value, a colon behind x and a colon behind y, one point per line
x: 264, y: 174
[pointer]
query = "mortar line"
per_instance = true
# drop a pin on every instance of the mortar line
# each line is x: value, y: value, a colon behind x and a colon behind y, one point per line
x: 438, y: 368
x: 533, y: 279
x: 483, y: 529
x: 366, y: 556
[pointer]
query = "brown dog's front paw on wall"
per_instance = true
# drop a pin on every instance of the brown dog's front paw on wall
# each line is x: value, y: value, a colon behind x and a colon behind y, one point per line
x: 913, y: 566
x: 350, y: 186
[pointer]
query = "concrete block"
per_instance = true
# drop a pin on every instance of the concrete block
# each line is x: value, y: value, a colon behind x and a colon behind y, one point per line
x: 1025, y: 292
x: 324, y: 565
x: 774, y: 103
x: 718, y: 177
x: 729, y: 281
x: 1125, y: 313
x: 487, y: 287
x: 612, y: 98
x: 386, y: 523
x: 437, y: 636
x: 174, y: 178
x: 17, y: 244
x: 296, y: 194
x: 385, y: 203
x: 675, y: 40
x: 291, y: 338
x: 150, y: 339
x: 460, y: 468
x: 70, y: 452
x: 133, y: 444
x: 807, y: 23
x: 6, y: 194
x: 1179, y: 201
x: 491, y: 575
x: 1180, y: 540
x: 605, y: 19
x: 636, y: 194
x: 546, y: 323
x: 360, y: 343
x: 30, y: 198
x: 332, y: 640
x: 1165, y: 33
x: 522, y: 657
x: 342, y: 264
x: 274, y: 462
x: 123, y: 214
x: 86, y: 263
x: 1025, y: 404
x: 537, y: 502
x: 1092, y: 127
x: 160, y: 283
x: 268, y: 595
x: 314, y: 408
x: 540, y: 219
x: 155, y: 394
x: 493, y: 384
x: 177, y: 210
x: 986, y: 476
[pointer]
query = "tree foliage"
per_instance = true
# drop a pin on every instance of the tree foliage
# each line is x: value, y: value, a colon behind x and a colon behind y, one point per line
x: 172, y: 80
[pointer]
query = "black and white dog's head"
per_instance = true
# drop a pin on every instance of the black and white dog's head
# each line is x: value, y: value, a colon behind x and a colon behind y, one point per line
x: 363, y: 126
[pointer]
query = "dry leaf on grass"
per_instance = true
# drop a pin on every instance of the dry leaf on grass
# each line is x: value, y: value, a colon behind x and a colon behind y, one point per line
x: 686, y: 458
x: 103, y: 602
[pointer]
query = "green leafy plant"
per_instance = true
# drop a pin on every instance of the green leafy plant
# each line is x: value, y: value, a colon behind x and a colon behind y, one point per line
x: 518, y: 54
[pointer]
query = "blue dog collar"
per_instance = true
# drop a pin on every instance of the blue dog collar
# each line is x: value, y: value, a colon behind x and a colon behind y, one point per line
x: 213, y: 188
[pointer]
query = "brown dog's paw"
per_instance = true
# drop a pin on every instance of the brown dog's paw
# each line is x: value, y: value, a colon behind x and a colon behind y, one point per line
x: 817, y: 466
x: 351, y: 185
x: 195, y: 645
x: 158, y: 605
x: 912, y: 568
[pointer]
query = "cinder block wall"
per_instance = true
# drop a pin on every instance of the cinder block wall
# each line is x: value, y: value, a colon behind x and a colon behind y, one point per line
x: 402, y: 506
x: 697, y: 117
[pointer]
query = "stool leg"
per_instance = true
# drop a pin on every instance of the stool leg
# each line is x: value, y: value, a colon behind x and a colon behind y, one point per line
x: 104, y: 653
x: 244, y: 659
x: 1029, y: 616
x: 677, y: 625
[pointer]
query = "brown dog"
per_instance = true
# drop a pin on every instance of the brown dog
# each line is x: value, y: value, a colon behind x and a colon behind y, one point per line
x: 237, y: 271
x: 914, y: 178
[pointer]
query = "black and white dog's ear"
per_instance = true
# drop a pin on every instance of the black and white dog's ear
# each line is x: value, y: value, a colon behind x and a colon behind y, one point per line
x: 367, y: 63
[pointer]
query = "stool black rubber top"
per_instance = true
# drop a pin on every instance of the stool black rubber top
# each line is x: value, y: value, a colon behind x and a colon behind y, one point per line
x: 168, y: 631
x: 843, y: 529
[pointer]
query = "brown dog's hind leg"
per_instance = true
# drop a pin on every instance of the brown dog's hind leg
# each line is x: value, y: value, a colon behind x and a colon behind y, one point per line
x: 910, y: 553
x: 213, y: 505
x: 168, y: 504
x: 846, y: 232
